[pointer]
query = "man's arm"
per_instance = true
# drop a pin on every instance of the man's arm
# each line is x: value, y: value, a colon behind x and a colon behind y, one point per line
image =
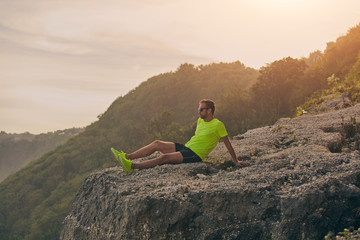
x: 232, y: 153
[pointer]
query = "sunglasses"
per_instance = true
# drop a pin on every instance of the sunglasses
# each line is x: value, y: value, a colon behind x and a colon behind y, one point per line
x: 201, y: 109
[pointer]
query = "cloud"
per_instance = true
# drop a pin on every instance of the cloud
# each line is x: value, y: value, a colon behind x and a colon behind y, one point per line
x: 49, y: 59
x: 64, y: 81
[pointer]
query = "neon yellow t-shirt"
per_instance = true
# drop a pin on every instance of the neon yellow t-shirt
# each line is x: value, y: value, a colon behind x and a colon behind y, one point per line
x: 207, y: 136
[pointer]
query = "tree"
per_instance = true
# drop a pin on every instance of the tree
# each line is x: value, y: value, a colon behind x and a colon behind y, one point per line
x: 275, y: 91
x: 159, y: 123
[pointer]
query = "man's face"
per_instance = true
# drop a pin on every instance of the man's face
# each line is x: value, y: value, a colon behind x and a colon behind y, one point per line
x: 203, y: 111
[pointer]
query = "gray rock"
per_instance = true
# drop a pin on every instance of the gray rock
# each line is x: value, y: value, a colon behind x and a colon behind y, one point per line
x: 332, y: 102
x: 299, y: 185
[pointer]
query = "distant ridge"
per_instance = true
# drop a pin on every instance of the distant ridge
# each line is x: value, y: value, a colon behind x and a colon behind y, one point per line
x: 17, y: 150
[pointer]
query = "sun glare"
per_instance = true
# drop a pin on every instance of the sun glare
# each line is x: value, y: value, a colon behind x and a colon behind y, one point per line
x: 283, y: 3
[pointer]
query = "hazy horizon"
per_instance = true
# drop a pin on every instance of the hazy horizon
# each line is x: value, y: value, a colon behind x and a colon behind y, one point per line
x: 63, y: 63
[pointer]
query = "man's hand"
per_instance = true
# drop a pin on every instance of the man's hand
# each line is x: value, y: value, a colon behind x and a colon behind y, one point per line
x: 232, y: 153
x: 241, y: 164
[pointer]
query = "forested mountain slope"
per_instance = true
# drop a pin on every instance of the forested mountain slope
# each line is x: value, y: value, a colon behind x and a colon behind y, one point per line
x: 339, y: 71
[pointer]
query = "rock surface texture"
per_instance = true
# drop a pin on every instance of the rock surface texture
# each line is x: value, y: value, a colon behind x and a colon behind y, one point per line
x: 301, y: 183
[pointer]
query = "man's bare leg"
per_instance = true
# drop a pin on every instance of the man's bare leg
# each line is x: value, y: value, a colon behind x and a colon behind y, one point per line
x: 161, y: 146
x: 167, y: 158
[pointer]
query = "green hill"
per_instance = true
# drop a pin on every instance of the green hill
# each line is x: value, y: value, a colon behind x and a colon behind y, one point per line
x: 16, y: 150
x: 339, y: 70
x: 34, y: 200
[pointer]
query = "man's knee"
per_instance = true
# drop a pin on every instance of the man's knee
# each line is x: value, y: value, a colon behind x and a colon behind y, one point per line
x: 163, y: 159
x: 156, y: 142
x: 170, y: 158
x: 157, y: 145
x: 162, y: 146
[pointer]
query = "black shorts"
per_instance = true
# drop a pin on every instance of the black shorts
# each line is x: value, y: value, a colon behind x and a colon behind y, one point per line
x: 188, y: 155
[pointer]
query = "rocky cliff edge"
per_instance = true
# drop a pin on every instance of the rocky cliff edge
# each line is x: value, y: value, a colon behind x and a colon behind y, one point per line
x: 302, y: 183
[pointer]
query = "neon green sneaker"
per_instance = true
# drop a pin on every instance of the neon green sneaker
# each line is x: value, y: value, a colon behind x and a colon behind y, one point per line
x: 120, y: 157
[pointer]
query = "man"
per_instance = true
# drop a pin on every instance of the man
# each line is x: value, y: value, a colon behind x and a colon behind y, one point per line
x: 209, y: 131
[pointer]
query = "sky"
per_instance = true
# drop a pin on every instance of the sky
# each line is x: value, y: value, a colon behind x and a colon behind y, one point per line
x: 63, y: 62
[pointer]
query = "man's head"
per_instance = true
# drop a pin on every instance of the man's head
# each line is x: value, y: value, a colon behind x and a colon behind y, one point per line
x: 206, y: 107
